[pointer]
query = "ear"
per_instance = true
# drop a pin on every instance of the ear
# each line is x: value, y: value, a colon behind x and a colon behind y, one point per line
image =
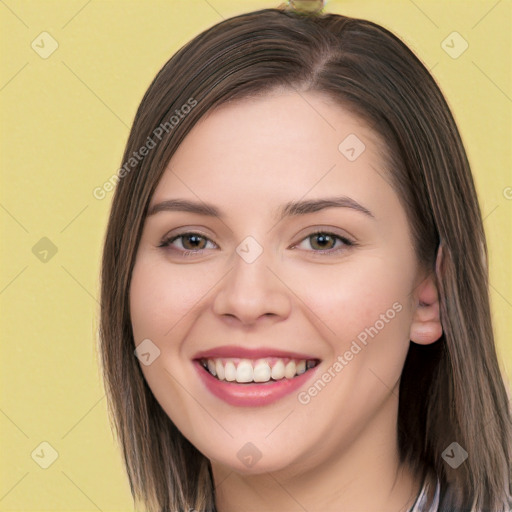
x: 426, y: 325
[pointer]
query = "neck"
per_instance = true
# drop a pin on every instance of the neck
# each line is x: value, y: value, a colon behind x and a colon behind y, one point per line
x: 366, y: 475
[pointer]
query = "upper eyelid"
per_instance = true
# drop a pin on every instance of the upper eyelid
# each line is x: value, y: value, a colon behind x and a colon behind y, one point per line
x: 309, y: 231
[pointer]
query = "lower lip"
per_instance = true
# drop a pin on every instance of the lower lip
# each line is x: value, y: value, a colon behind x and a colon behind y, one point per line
x: 252, y: 395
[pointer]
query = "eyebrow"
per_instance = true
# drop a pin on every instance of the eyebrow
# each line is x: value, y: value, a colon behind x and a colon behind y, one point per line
x: 290, y: 209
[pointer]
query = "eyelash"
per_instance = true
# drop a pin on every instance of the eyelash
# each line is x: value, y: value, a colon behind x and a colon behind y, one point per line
x: 166, y: 242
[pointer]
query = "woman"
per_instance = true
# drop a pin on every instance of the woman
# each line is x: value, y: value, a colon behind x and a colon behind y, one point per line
x: 295, y: 310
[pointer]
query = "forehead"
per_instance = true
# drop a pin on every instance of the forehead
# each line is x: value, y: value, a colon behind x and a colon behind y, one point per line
x: 275, y: 148
x: 288, y: 122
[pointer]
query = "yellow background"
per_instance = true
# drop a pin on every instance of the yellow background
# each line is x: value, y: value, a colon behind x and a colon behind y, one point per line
x: 65, y: 120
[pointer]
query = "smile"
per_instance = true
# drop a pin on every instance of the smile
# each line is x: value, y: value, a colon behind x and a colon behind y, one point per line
x: 260, y: 370
x: 253, y: 377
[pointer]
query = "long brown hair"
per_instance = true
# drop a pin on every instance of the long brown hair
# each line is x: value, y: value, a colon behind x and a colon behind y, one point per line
x: 450, y: 391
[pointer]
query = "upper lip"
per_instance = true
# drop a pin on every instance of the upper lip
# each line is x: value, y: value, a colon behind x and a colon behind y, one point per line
x: 249, y: 353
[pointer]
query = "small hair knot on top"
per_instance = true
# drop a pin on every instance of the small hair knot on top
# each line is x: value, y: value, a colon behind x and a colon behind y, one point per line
x: 303, y: 6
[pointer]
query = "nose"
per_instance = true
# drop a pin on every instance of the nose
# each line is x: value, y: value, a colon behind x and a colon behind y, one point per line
x: 251, y: 292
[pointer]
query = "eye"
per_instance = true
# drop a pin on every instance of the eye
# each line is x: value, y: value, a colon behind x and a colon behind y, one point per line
x: 190, y: 242
x: 324, y: 242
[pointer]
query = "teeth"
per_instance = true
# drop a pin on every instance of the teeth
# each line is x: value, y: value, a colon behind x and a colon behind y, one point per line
x: 290, y: 370
x: 230, y: 371
x: 261, y: 370
x: 278, y: 370
x: 219, y: 370
x: 244, y: 372
x: 212, y: 367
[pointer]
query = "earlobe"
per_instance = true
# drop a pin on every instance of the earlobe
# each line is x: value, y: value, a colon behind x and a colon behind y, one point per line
x: 426, y: 324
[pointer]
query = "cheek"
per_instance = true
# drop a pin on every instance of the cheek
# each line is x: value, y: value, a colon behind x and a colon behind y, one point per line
x: 162, y: 299
x: 350, y: 297
x: 161, y: 295
x: 366, y: 315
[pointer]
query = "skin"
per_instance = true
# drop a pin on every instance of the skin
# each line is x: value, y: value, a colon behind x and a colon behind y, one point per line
x: 339, y: 451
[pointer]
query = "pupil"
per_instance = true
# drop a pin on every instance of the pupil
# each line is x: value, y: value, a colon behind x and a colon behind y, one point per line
x: 322, y: 239
x: 195, y: 238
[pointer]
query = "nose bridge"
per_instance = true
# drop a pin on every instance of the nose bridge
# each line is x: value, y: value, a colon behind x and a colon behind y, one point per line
x: 251, y: 290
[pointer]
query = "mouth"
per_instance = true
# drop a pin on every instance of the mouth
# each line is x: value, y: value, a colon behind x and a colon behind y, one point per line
x: 253, y: 377
x: 261, y: 370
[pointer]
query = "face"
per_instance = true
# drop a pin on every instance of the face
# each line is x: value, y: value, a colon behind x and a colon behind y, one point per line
x: 314, y: 302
